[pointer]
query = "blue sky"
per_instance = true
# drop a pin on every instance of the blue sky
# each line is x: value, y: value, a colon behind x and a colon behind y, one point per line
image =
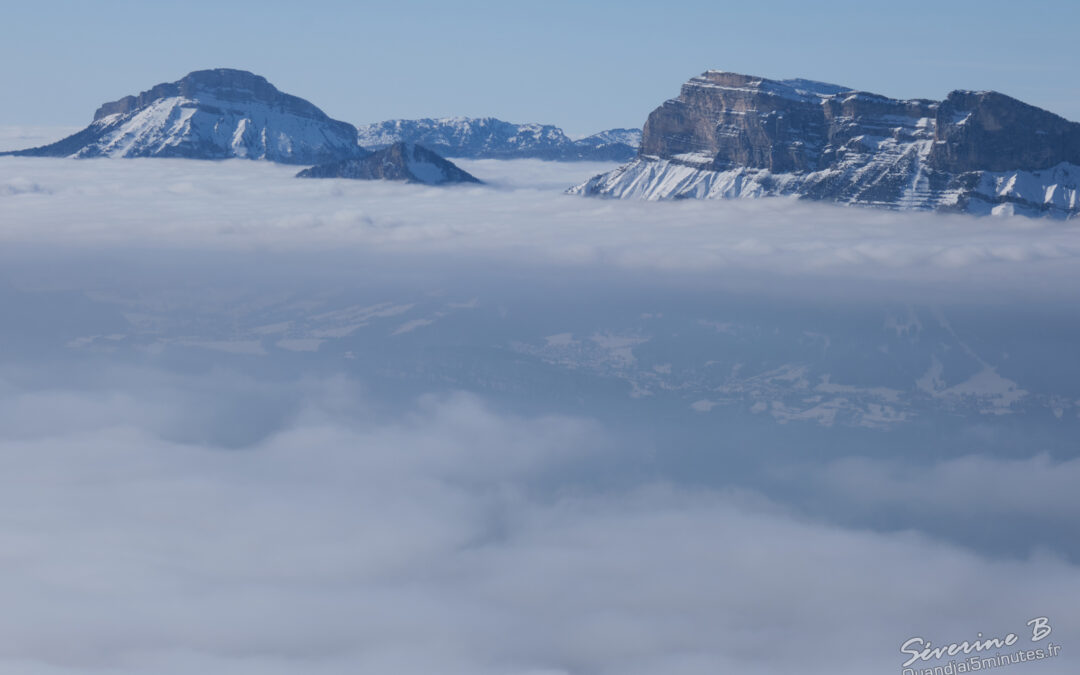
x: 583, y: 66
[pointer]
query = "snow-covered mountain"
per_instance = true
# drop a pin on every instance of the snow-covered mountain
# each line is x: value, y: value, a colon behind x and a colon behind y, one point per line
x: 401, y: 161
x: 612, y: 144
x: 487, y: 137
x: 211, y: 114
x: 730, y: 135
x: 631, y: 137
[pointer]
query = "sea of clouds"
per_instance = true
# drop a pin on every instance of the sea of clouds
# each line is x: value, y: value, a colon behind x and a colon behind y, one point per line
x: 190, y: 483
x: 520, y: 216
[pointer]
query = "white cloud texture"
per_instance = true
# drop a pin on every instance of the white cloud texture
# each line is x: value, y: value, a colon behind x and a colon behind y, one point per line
x: 424, y: 542
x: 243, y: 204
x: 192, y: 479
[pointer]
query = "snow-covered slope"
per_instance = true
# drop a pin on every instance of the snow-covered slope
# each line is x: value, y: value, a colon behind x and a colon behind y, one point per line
x: 401, y: 161
x: 491, y: 138
x: 1053, y: 192
x: 730, y: 135
x: 631, y: 137
x: 211, y: 114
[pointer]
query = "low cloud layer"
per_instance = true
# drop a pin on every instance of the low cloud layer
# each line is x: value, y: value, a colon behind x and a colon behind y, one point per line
x: 252, y: 424
x: 432, y: 541
x: 241, y: 204
x: 978, y: 487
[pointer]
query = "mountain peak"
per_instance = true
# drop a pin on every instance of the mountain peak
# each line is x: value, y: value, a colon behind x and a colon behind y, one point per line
x: 211, y: 114
x: 221, y: 84
x: 226, y: 77
x: 798, y: 87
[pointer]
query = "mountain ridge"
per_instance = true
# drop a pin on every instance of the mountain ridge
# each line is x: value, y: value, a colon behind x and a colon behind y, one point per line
x: 732, y: 135
x: 492, y: 138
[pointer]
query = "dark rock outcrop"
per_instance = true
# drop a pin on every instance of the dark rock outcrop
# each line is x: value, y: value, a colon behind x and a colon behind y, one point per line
x: 988, y: 131
x: 401, y: 162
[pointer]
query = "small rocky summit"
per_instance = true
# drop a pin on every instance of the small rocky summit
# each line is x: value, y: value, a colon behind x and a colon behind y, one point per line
x: 211, y: 114
x: 401, y: 161
x: 491, y: 138
x: 730, y: 135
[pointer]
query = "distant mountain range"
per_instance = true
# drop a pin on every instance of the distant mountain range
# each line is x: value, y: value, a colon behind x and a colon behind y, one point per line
x: 225, y: 113
x: 731, y: 135
x: 725, y: 135
x: 490, y: 138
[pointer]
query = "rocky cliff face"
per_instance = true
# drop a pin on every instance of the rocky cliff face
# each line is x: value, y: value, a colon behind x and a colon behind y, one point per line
x: 491, y: 138
x: 731, y: 135
x: 401, y: 161
x: 211, y: 114
x: 988, y: 131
